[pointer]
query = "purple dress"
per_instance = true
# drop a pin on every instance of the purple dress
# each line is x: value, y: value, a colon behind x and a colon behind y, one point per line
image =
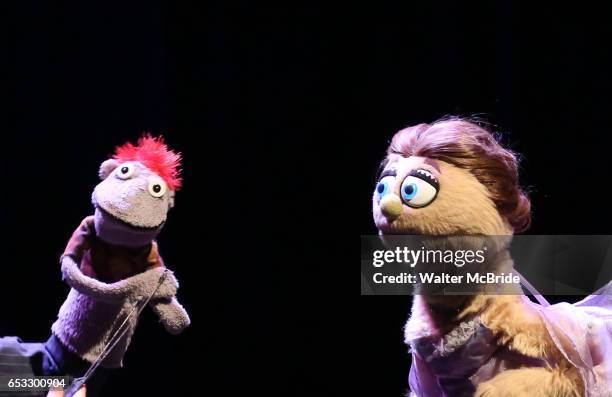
x: 581, y: 331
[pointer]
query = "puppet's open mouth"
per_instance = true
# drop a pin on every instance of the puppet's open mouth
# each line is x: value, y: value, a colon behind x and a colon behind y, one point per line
x: 115, y: 219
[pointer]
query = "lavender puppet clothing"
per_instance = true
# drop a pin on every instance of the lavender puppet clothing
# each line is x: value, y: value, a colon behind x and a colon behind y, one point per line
x: 93, y: 310
x: 441, y: 367
x: 581, y: 331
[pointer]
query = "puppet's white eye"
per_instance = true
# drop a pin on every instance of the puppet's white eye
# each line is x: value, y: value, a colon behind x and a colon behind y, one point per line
x: 419, y: 189
x: 157, y: 188
x: 384, y: 186
x: 125, y: 170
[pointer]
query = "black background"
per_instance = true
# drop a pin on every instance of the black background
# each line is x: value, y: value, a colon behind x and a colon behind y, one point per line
x: 237, y: 88
x: 283, y: 112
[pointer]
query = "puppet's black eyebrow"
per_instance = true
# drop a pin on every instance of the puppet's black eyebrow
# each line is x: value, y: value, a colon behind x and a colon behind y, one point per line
x: 391, y: 172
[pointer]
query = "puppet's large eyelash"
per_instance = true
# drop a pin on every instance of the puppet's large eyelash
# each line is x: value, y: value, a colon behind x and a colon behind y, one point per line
x: 426, y: 176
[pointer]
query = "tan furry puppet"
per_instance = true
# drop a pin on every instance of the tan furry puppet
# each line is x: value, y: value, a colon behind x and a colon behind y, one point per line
x: 453, y: 178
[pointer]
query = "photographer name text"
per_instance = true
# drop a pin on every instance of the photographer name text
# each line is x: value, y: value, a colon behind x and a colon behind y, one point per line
x: 445, y: 278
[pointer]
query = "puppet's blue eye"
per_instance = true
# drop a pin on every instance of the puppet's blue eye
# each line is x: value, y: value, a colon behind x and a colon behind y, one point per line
x: 409, y: 191
x: 384, y: 186
x: 419, y: 189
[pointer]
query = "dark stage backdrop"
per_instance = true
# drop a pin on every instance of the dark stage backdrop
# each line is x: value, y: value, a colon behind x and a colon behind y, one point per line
x: 235, y: 86
x: 283, y: 112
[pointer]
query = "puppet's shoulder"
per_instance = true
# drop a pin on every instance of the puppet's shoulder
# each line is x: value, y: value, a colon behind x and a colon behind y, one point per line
x: 86, y: 228
x: 154, y: 258
x: 80, y: 239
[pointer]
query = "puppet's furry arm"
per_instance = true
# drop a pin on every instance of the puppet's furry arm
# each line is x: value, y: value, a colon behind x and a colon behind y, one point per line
x: 521, y: 328
x: 172, y: 314
x: 534, y: 382
x: 134, y: 287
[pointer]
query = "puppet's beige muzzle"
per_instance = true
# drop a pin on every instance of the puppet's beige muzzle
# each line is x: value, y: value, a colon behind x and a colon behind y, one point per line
x: 391, y: 206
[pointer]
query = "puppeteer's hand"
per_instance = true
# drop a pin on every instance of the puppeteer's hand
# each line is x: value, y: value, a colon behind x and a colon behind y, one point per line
x: 60, y: 393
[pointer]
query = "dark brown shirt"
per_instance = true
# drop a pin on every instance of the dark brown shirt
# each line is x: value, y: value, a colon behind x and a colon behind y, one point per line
x: 107, y: 262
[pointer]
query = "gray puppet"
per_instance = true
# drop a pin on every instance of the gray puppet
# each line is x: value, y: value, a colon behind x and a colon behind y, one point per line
x: 112, y: 261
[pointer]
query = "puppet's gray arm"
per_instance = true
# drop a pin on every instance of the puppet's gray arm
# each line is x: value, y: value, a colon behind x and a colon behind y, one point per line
x: 134, y: 287
x: 172, y: 314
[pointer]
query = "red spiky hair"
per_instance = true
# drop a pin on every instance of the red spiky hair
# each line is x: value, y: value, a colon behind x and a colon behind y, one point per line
x: 154, y: 154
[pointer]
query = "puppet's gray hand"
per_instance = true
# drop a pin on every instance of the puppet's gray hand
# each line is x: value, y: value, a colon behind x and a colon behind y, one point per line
x: 150, y: 287
x: 173, y: 316
x: 168, y: 287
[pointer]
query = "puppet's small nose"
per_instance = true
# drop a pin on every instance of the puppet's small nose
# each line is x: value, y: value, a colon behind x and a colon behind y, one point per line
x: 391, y: 206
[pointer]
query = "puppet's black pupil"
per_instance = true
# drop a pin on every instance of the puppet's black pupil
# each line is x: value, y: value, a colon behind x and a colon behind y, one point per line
x: 409, y: 189
x: 156, y: 188
x: 124, y: 170
x: 381, y: 188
